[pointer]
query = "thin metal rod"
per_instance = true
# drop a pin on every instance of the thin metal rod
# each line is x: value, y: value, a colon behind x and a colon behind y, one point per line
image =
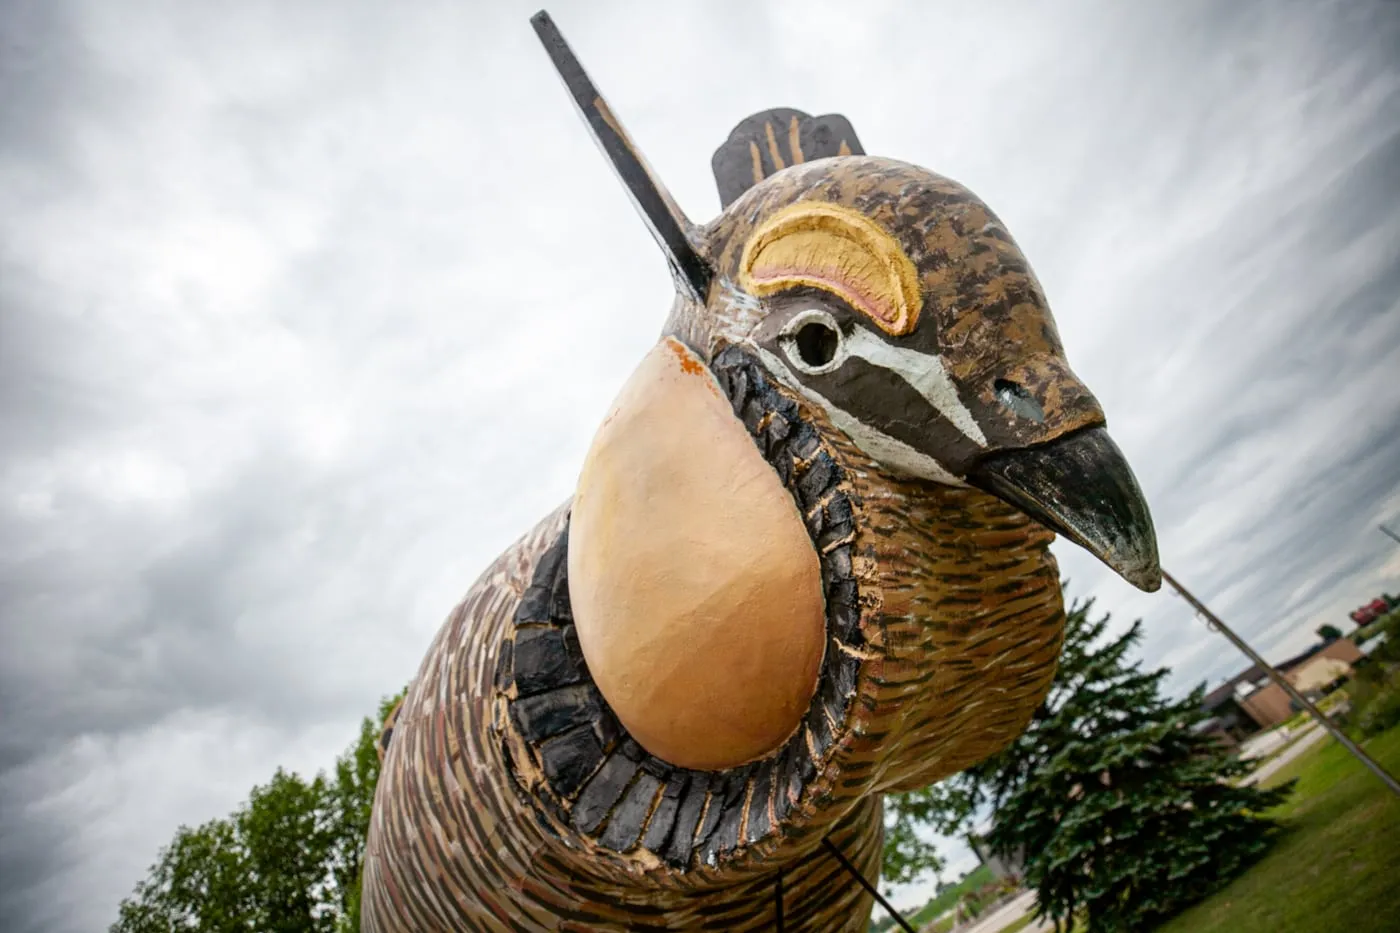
x: 826, y: 841
x: 778, y: 902
x: 1388, y: 532
x: 1287, y: 687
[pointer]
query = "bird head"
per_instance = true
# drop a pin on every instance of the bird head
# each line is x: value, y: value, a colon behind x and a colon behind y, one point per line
x: 895, y: 300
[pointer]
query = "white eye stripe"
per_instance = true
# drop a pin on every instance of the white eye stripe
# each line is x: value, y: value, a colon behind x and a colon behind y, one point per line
x: 879, y: 446
x: 925, y: 374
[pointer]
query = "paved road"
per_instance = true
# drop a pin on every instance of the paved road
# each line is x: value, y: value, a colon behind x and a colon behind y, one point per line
x: 1007, y: 914
x: 1304, y: 742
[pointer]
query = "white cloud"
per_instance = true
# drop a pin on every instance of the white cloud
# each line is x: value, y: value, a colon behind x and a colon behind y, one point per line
x: 309, y: 310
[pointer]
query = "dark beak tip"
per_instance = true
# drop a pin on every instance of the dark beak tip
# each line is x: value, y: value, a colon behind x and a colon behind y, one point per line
x: 1081, y: 486
x: 1148, y: 579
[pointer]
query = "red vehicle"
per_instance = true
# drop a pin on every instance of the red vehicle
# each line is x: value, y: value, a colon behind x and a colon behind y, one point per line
x: 1370, y: 612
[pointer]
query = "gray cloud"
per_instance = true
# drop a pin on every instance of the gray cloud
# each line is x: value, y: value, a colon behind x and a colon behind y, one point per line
x: 306, y: 310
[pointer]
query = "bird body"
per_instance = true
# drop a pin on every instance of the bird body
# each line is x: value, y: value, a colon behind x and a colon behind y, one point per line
x: 807, y: 564
x: 962, y: 593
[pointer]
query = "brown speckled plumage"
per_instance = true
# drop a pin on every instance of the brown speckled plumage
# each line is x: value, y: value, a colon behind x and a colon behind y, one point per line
x: 985, y: 313
x: 510, y: 796
x: 961, y: 620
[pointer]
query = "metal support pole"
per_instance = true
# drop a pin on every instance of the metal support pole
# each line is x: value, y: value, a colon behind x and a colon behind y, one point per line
x: 855, y: 873
x: 1287, y: 687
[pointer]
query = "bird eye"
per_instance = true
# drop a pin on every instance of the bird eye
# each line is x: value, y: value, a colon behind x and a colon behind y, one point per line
x: 813, y: 341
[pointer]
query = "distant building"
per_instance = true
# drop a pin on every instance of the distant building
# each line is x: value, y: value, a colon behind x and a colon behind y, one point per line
x: 1249, y: 701
x: 1218, y: 729
x: 1000, y: 868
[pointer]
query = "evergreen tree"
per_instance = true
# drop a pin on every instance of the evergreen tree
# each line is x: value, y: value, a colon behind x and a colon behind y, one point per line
x: 1122, y: 811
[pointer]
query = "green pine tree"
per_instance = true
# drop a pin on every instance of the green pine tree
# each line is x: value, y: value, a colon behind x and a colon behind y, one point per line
x: 1329, y: 632
x: 1122, y: 812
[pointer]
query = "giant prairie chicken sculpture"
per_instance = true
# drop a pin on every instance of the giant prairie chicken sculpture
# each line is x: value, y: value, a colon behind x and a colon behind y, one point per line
x: 806, y: 564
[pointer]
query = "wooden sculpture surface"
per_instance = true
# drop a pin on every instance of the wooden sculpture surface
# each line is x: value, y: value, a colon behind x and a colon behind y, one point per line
x: 806, y: 564
x: 695, y: 589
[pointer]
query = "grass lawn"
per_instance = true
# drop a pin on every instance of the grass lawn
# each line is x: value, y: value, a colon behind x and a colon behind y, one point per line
x: 1337, y: 865
x: 974, y: 880
x: 1020, y: 924
x: 1367, y: 632
x: 1029, y: 918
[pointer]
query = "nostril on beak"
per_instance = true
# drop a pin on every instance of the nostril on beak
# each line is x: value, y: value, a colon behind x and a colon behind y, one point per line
x: 1019, y: 399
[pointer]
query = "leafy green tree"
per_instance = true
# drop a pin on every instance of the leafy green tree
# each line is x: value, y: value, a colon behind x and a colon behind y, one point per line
x: 910, y: 819
x: 356, y: 776
x: 1329, y: 633
x: 286, y: 832
x: 201, y: 882
x: 1374, y: 691
x: 288, y: 859
x: 1122, y: 811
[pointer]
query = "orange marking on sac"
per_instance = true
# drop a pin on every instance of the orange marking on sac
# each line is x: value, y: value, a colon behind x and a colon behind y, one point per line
x: 691, y: 365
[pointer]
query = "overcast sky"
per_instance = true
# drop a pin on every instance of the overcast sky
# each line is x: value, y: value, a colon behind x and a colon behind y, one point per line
x: 307, y: 309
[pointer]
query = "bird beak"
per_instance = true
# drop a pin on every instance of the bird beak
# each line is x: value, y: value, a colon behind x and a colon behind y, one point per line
x: 1080, y: 486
